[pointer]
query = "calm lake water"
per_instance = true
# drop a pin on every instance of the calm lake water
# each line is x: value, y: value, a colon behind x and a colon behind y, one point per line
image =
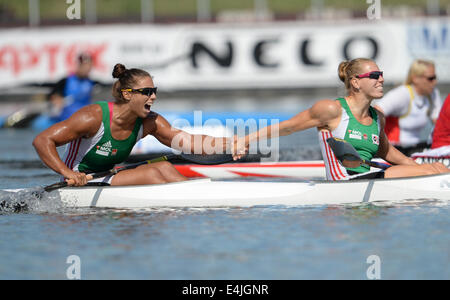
x: 411, y: 240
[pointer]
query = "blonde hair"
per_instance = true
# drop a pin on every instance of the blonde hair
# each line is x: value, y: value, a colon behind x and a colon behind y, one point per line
x: 418, y: 67
x: 348, y: 69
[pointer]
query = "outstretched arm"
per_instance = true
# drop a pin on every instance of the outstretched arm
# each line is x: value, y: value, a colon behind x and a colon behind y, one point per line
x: 320, y: 115
x: 172, y: 137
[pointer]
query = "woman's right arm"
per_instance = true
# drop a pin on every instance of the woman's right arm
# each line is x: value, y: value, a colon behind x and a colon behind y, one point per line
x: 83, y: 123
x: 320, y: 115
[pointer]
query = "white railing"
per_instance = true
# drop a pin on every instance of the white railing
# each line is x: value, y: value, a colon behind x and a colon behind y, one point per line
x: 33, y: 13
x: 147, y: 11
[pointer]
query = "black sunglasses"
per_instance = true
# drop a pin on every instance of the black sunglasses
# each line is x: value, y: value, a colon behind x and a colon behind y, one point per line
x: 431, y: 78
x: 144, y: 91
x: 371, y: 75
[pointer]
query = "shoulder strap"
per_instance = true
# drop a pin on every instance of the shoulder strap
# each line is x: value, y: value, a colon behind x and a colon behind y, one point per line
x: 105, y: 113
x: 110, y: 107
x: 345, y: 106
x: 374, y: 114
x: 137, y: 127
x: 411, y: 98
x: 411, y: 95
x: 430, y: 108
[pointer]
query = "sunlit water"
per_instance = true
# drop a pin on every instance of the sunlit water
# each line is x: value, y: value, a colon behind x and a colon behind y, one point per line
x: 411, y: 240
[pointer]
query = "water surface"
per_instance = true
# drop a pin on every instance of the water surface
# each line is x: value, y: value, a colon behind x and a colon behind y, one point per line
x: 322, y: 242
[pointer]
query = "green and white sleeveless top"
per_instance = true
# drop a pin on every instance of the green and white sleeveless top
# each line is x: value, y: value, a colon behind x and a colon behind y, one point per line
x: 365, y: 139
x: 101, y: 152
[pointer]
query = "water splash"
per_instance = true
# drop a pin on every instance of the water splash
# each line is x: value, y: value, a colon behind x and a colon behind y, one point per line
x: 30, y: 200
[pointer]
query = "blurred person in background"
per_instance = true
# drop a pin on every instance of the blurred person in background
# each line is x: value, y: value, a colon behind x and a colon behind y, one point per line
x: 410, y: 107
x: 440, y: 148
x: 69, y: 94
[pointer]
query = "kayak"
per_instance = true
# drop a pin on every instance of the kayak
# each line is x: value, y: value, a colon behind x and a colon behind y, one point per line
x: 289, y: 169
x: 314, y: 169
x: 208, y: 193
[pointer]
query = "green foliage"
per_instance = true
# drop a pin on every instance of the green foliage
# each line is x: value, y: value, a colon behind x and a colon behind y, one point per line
x: 56, y: 9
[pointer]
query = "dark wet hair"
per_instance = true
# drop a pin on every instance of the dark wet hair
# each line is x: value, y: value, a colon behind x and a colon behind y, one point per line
x: 126, y: 78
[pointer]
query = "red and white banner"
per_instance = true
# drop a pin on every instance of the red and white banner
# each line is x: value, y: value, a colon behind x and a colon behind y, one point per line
x: 226, y: 56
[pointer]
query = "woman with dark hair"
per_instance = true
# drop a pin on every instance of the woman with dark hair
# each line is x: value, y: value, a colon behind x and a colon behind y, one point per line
x: 353, y: 119
x: 68, y: 95
x: 103, y: 134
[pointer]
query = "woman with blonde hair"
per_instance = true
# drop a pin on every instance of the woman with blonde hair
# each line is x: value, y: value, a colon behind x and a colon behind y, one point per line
x: 353, y: 119
x: 410, y: 107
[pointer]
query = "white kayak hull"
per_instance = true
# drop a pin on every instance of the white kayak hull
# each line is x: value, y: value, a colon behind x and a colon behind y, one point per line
x: 207, y: 193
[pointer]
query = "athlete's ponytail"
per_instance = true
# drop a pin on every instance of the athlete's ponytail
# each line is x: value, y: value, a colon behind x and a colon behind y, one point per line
x: 118, y: 70
x: 348, y: 69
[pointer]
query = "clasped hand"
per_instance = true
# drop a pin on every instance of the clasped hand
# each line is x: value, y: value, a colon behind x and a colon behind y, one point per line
x: 240, y: 147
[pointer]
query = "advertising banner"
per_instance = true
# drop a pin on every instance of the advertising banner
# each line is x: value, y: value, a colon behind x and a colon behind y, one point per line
x: 226, y: 56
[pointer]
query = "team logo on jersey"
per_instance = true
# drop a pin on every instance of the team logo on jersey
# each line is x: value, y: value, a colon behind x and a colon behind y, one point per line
x: 365, y: 136
x: 104, y: 149
x: 355, y: 134
x: 375, y: 139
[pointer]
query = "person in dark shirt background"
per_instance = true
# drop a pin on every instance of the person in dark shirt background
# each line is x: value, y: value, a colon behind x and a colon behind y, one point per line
x: 73, y: 92
x: 69, y: 94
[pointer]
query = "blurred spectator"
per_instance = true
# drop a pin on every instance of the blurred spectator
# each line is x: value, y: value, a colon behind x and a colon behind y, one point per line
x: 410, y: 107
x: 69, y: 94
